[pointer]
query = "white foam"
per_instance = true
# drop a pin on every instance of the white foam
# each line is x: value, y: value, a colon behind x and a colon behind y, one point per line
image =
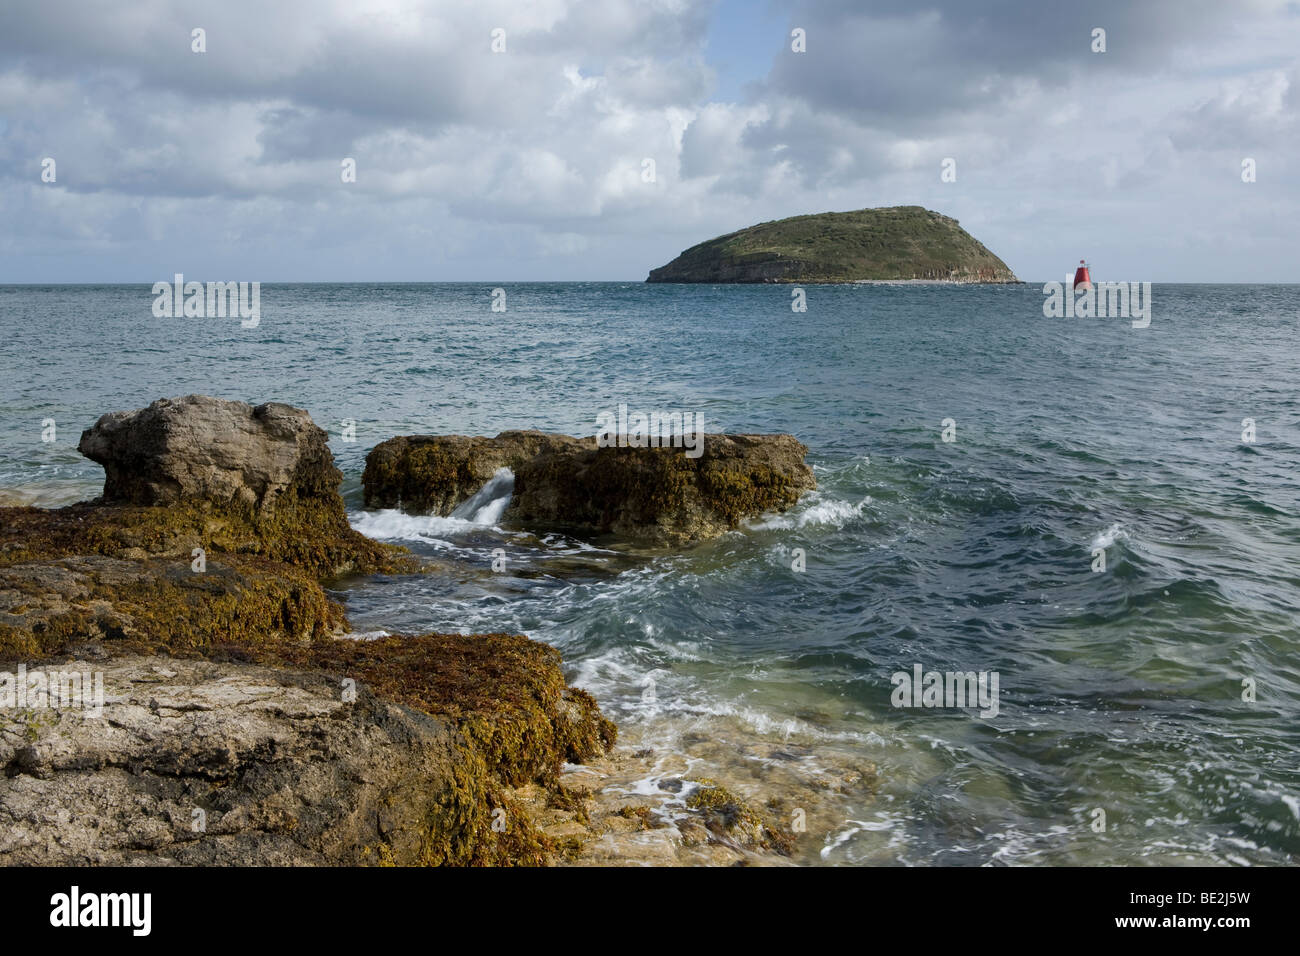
x: 389, y: 524
x: 487, y: 504
x: 826, y: 511
x: 1108, y: 537
x: 1292, y: 804
x: 482, y: 510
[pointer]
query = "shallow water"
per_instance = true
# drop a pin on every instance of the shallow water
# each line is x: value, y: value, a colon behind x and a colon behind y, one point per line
x: 1120, y: 690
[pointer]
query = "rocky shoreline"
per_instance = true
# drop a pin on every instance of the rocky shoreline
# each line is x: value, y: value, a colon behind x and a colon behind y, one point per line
x: 242, y: 722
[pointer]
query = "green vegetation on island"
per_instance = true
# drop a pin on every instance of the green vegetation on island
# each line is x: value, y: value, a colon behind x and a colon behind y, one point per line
x: 896, y: 243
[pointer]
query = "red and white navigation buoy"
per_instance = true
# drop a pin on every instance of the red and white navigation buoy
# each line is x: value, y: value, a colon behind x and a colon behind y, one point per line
x: 1082, y: 279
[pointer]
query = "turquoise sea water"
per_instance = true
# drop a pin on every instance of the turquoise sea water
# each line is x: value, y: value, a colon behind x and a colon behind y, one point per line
x: 1120, y: 691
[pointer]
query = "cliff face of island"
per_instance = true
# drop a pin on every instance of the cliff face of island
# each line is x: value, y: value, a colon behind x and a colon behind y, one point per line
x: 896, y: 243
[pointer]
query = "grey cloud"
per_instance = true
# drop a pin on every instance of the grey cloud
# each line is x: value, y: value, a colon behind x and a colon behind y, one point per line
x: 918, y: 64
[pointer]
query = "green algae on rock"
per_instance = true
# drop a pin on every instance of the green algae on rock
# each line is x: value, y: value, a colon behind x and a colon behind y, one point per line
x: 63, y: 604
x: 661, y: 495
x: 729, y: 817
x: 435, y: 473
x: 504, y: 691
x: 517, y: 723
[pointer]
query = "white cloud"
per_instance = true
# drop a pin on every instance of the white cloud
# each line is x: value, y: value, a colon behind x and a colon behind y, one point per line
x: 528, y: 164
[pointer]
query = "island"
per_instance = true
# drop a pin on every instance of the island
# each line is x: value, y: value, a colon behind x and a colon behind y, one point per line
x: 889, y: 244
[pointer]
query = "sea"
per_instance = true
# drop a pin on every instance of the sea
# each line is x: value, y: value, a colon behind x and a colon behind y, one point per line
x: 1102, y: 522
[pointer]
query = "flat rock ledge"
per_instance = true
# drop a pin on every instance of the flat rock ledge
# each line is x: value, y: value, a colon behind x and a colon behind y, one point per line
x: 201, y: 762
x: 196, y: 762
x: 561, y: 483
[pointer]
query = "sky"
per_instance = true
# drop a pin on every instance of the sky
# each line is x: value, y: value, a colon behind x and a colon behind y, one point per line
x: 603, y: 137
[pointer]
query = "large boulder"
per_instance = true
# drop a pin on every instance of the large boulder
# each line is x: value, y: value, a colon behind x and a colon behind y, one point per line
x: 201, y: 472
x: 198, y: 448
x: 660, y: 495
x: 432, y: 474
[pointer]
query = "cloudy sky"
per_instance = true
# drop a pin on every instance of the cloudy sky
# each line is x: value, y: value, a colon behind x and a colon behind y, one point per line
x: 530, y: 164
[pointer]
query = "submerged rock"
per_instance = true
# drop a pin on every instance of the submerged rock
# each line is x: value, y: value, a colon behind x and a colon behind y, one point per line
x: 562, y: 483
